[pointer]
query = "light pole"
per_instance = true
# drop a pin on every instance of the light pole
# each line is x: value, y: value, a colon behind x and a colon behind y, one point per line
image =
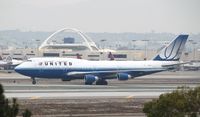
x: 1, y: 52
x: 133, y: 47
x: 194, y: 50
x: 146, y: 41
x: 103, y: 52
x: 102, y: 41
x: 133, y: 41
x: 38, y: 42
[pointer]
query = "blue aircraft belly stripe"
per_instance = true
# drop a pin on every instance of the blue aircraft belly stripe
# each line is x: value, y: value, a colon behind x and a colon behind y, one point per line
x: 62, y: 72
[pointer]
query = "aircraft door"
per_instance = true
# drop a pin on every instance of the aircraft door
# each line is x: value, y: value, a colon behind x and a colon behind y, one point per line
x: 40, y: 67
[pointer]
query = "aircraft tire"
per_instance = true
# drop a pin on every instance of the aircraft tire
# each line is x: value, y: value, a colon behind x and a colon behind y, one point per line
x: 88, y: 83
x: 105, y: 82
x: 34, y: 82
x: 101, y: 82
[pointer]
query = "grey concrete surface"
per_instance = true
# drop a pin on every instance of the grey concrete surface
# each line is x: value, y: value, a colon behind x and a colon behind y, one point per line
x: 147, y: 86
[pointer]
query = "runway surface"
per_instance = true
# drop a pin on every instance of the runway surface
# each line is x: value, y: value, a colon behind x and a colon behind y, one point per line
x: 51, y: 98
x: 141, y: 87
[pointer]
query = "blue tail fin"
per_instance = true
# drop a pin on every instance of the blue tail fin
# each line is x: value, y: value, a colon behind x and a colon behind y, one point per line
x: 173, y: 51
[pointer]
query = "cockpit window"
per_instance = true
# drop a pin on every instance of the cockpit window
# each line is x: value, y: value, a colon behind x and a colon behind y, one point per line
x: 29, y: 60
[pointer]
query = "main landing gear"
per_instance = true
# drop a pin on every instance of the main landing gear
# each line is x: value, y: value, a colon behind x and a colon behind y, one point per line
x: 98, y: 82
x: 101, y: 82
x: 33, y: 80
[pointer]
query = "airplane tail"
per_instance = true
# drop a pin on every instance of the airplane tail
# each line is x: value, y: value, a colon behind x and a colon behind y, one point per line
x: 173, y: 51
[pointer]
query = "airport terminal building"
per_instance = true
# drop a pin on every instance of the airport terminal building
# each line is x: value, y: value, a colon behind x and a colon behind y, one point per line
x: 59, y: 44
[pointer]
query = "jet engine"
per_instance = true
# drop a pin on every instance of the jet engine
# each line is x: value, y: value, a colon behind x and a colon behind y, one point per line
x: 123, y: 76
x: 90, y: 79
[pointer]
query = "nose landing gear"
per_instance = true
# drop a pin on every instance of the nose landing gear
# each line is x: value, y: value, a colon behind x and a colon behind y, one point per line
x: 33, y: 80
x: 101, y: 82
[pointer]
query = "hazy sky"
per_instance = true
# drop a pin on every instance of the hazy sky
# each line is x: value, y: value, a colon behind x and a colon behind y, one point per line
x: 176, y: 16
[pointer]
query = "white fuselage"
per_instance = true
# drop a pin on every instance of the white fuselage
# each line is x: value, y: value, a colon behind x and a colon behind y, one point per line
x: 44, y: 67
x: 99, y: 71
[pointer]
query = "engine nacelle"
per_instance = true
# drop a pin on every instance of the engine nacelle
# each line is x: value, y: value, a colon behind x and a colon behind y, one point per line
x: 123, y: 76
x: 90, y: 79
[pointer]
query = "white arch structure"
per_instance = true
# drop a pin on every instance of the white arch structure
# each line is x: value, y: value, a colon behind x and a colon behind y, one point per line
x: 88, y: 42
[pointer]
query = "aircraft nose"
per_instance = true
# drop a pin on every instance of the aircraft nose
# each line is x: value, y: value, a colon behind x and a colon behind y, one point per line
x: 24, y: 70
x: 18, y: 69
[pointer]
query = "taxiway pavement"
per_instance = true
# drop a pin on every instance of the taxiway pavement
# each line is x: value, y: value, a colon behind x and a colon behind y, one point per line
x: 149, y: 86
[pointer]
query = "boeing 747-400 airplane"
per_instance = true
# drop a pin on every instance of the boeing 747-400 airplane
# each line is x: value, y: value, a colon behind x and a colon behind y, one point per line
x: 99, y: 71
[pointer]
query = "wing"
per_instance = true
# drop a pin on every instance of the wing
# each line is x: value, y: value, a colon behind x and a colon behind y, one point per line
x: 103, y: 74
x: 111, y: 74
